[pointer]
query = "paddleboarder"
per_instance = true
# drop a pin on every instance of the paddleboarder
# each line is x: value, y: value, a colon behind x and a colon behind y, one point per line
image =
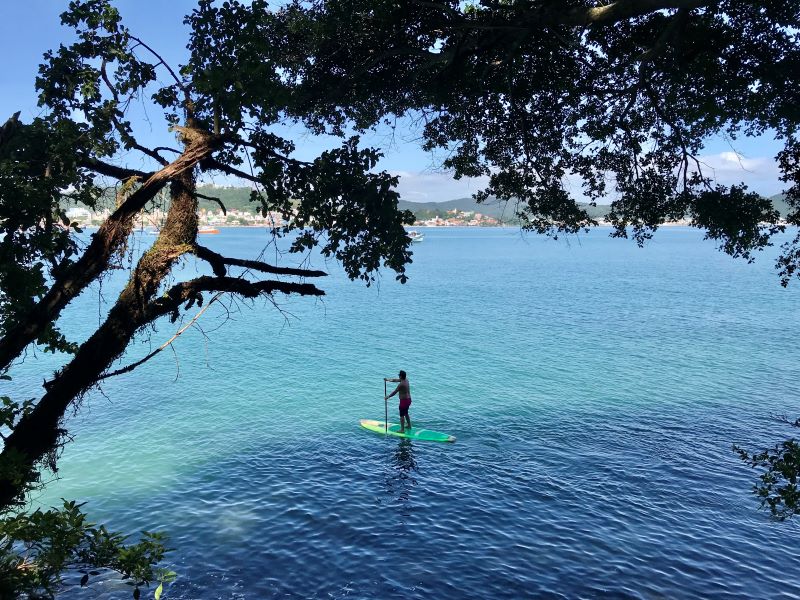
x: 403, y: 389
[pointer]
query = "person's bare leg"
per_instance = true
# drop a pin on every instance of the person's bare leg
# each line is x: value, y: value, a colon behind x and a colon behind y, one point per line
x: 402, y: 424
x: 408, y: 419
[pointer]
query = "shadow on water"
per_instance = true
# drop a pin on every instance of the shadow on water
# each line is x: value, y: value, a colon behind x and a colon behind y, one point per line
x: 400, y: 478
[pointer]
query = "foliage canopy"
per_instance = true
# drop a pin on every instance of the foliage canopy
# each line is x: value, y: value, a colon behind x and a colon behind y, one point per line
x: 620, y: 96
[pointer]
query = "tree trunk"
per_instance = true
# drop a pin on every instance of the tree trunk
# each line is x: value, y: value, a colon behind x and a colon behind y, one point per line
x: 37, y: 435
x: 109, y: 238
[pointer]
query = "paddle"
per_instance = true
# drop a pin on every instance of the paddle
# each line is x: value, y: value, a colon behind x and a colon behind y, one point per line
x: 385, y: 407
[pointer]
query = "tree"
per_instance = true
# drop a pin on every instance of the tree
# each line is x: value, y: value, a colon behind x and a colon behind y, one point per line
x: 336, y: 202
x: 621, y: 96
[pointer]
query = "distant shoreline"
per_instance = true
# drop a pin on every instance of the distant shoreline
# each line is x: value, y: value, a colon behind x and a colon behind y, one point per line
x: 601, y: 224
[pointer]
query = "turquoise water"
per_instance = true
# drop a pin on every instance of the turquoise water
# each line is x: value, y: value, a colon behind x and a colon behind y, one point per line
x: 595, y: 390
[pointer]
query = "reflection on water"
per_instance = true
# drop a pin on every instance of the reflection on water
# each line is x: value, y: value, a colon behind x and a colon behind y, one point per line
x: 400, y: 476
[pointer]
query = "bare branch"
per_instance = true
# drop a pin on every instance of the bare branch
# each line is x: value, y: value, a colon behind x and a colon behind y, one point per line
x: 237, y: 141
x: 132, y: 366
x: 621, y: 10
x: 125, y: 135
x: 161, y: 61
x: 218, y: 262
x: 211, y: 164
x: 107, y: 81
x: 213, y: 199
x: 110, y: 237
x: 104, y: 168
x: 167, y: 148
x: 187, y: 291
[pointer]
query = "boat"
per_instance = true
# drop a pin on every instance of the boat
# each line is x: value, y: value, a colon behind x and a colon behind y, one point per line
x: 207, y: 229
x: 416, y: 236
x: 151, y: 231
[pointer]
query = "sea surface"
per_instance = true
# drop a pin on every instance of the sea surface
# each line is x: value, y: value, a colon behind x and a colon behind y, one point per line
x: 595, y: 388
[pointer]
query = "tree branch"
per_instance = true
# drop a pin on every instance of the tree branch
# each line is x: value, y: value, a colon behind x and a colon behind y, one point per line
x: 211, y: 164
x: 110, y: 170
x: 8, y: 128
x: 161, y: 61
x: 172, y: 299
x: 126, y: 136
x: 580, y: 16
x: 621, y: 10
x: 167, y: 148
x: 439, y: 6
x: 132, y: 366
x: 212, y: 199
x: 237, y: 141
x: 218, y: 262
x: 108, y: 239
x: 677, y: 23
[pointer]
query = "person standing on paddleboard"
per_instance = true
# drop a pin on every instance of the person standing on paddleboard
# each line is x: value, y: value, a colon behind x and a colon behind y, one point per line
x: 404, y: 391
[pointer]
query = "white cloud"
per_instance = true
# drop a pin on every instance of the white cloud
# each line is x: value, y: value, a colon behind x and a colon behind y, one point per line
x: 760, y: 174
x: 430, y: 186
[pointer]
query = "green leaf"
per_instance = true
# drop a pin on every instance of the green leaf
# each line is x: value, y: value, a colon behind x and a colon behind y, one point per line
x: 159, y: 589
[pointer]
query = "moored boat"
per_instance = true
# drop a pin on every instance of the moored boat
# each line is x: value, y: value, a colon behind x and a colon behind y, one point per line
x: 207, y: 229
x: 416, y: 236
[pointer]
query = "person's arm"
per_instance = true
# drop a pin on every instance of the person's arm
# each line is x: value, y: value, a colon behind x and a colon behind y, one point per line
x: 392, y: 380
x: 397, y: 389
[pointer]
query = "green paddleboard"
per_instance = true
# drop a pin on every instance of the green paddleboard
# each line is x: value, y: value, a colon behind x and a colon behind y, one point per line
x: 415, y: 433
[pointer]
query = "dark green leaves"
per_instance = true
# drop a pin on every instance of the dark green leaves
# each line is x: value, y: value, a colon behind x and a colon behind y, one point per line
x: 357, y: 212
x: 526, y: 94
x: 35, y: 548
x: 11, y: 412
x: 777, y: 488
x: 742, y: 221
x: 39, y: 176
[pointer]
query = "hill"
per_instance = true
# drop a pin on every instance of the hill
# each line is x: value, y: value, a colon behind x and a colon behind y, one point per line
x: 426, y: 210
x: 780, y: 204
x: 234, y: 198
x: 504, y: 211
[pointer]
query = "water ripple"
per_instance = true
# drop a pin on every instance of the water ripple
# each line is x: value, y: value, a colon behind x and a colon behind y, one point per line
x: 595, y: 401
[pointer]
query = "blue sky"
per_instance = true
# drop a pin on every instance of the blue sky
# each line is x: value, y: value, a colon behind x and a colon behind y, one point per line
x: 28, y: 28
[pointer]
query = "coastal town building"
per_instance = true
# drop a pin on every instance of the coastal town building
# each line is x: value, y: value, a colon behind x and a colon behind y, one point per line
x: 246, y: 218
